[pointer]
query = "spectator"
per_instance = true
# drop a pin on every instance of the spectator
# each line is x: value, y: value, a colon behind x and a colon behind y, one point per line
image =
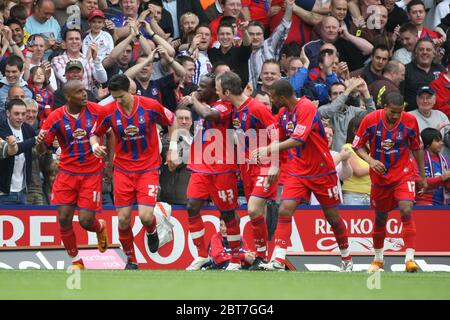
x: 319, y: 88
x: 12, y: 78
x: 219, y: 251
x: 343, y: 169
x: 417, y: 13
x: 19, y: 12
x: 15, y: 172
x: 356, y: 189
x: 289, y: 50
x: 186, y: 86
x: 351, y: 49
x: 263, y: 50
x: 408, y: 38
x: 35, y: 57
x: 373, y: 71
x: 174, y: 184
x: 188, y: 22
x: 298, y: 72
x: 436, y: 169
x: 93, y: 67
x: 43, y: 96
x: 270, y: 72
x: 35, y: 191
x: 393, y: 75
x: 429, y: 118
x: 74, y: 71
x: 235, y: 57
x: 86, y: 7
x: 231, y: 8
x: 264, y: 97
x: 16, y: 35
x: 162, y: 89
x: 198, y: 51
x: 344, y: 107
x: 396, y: 15
x: 42, y: 22
x: 441, y: 11
x: 102, y: 38
x: 420, y: 72
x: 441, y: 87
x: 177, y: 8
x: 214, y: 10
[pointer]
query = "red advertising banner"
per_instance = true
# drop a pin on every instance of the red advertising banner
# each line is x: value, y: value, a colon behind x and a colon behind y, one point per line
x: 23, y: 227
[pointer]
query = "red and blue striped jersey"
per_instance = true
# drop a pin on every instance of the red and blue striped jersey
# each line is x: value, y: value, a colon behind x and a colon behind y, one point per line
x: 254, y: 127
x: 73, y: 137
x: 389, y: 144
x: 136, y: 135
x: 212, y: 150
x: 312, y: 158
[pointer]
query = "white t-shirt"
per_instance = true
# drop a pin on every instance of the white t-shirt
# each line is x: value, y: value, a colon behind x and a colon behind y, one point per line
x: 18, y: 176
x: 104, y: 42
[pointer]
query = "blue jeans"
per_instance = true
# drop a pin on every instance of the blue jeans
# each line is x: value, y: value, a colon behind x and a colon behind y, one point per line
x: 14, y: 198
x: 356, y: 199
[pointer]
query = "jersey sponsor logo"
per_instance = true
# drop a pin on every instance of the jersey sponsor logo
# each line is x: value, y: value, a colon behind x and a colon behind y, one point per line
x: 236, y: 123
x: 220, y: 108
x: 79, y: 134
x: 131, y: 130
x: 387, y: 144
x: 299, y: 129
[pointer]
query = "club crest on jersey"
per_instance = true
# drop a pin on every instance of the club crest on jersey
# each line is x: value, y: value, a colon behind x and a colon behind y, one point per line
x: 131, y: 130
x: 387, y: 144
x: 299, y: 129
x: 399, y: 136
x: 79, y: 134
x: 236, y: 123
x: 154, y: 92
x: 290, y: 126
x: 141, y: 119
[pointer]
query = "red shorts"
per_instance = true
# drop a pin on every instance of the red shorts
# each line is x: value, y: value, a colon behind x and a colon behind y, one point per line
x: 386, y: 199
x: 221, y: 188
x: 130, y: 188
x: 256, y: 185
x: 85, y: 192
x: 325, y: 189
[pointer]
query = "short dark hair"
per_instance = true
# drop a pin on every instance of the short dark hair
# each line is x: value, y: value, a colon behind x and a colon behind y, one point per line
x: 202, y: 25
x: 183, y: 59
x: 379, y: 46
x: 410, y: 27
x: 260, y: 92
x: 394, y: 98
x: 231, y: 81
x: 66, y: 31
x: 282, y: 88
x: 353, y: 126
x: 11, y: 21
x: 291, y: 49
x: 15, y: 61
x: 271, y: 61
x: 119, y: 82
x: 18, y: 12
x: 414, y: 3
x: 182, y: 107
x: 323, y: 53
x: 14, y: 102
x: 256, y: 23
x: 225, y: 25
x: 429, y: 135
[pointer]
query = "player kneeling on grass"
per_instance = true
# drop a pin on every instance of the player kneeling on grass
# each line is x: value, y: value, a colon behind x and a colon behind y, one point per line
x: 79, y: 180
x: 220, y: 252
x: 133, y: 120
x: 391, y: 134
x: 310, y: 169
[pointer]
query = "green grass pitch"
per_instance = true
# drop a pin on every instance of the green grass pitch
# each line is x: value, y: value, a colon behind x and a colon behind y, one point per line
x: 219, y: 285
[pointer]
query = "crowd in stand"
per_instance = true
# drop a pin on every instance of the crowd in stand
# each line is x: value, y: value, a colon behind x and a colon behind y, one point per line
x: 345, y: 55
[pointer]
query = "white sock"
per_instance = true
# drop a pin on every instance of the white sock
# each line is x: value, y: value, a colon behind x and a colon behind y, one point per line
x: 345, y: 253
x: 409, y: 254
x: 379, y: 254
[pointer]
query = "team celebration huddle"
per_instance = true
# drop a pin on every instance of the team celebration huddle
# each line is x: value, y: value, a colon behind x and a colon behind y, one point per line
x: 272, y: 104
